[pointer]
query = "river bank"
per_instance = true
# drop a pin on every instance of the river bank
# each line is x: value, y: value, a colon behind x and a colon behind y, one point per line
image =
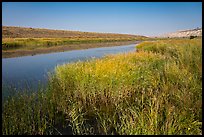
x: 61, y: 48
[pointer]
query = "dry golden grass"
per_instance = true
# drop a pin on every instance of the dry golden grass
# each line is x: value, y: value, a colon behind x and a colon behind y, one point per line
x: 21, y: 32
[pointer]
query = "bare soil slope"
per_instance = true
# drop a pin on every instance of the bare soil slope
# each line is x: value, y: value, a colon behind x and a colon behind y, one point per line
x: 22, y: 32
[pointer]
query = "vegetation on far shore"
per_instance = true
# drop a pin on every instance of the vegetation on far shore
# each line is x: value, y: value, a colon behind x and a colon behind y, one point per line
x: 43, y: 50
x: 154, y: 90
x: 35, y: 43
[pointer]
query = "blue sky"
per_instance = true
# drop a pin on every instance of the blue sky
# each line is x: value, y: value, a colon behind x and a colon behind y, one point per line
x: 142, y: 18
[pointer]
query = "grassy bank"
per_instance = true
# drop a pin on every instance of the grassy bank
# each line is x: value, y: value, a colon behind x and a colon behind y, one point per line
x: 35, y: 51
x: 15, y: 48
x: 34, y: 43
x: 156, y: 90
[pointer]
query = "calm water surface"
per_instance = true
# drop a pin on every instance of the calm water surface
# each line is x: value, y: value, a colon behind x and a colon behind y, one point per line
x: 32, y: 70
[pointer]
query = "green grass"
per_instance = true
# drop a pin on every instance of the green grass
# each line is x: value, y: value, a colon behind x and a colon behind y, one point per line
x: 156, y: 90
x: 34, y: 43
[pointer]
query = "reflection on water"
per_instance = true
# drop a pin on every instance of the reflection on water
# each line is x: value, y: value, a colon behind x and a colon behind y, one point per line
x: 32, y: 70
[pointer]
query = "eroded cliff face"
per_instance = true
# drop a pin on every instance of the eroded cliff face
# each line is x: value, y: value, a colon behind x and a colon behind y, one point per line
x: 184, y: 33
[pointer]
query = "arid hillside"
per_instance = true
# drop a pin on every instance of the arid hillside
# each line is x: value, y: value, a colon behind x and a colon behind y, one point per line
x: 184, y: 33
x: 22, y: 32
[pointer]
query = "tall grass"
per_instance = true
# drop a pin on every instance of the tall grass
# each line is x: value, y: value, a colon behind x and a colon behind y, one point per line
x: 156, y: 90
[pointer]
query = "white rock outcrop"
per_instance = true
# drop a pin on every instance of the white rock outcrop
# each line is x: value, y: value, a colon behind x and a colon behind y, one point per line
x: 184, y: 33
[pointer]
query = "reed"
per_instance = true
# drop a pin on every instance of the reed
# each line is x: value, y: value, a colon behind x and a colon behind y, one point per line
x: 156, y: 90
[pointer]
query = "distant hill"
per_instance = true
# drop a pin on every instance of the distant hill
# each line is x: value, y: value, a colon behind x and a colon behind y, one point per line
x: 22, y: 32
x: 184, y: 33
